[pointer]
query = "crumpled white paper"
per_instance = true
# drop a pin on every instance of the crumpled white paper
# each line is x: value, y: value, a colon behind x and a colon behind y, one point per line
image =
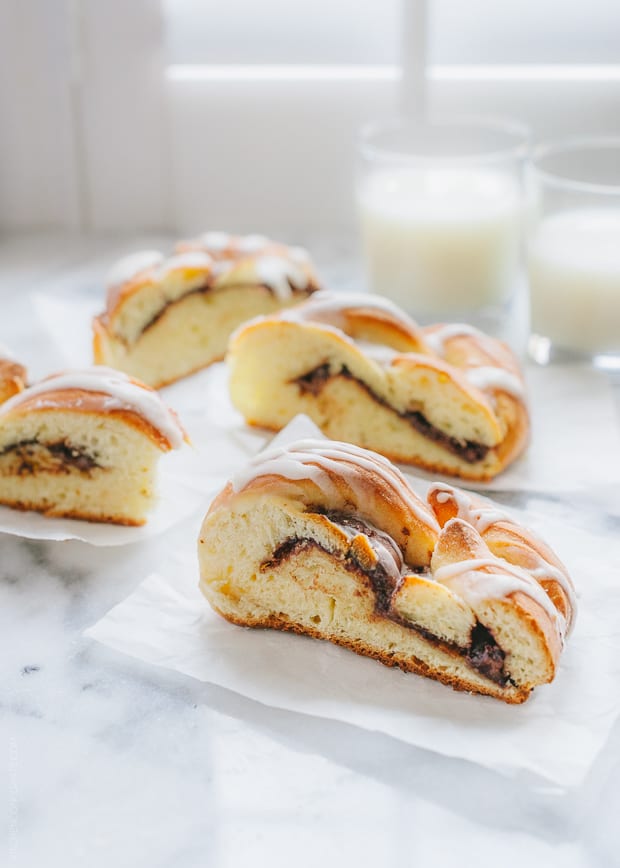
x: 555, y: 735
x: 575, y: 430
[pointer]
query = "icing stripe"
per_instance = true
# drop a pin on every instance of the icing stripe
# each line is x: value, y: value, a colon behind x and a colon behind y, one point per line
x: 279, y: 274
x: 379, y: 353
x: 496, y: 379
x: 252, y: 243
x: 155, y: 262
x: 216, y: 242
x: 330, y: 308
x: 314, y: 459
x: 479, y: 517
x: 189, y: 259
x: 129, y: 266
x: 436, y: 340
x: 482, y: 517
x: 122, y: 392
x: 475, y: 587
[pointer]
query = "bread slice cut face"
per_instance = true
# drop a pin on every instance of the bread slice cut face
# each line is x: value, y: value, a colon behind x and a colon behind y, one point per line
x: 85, y: 444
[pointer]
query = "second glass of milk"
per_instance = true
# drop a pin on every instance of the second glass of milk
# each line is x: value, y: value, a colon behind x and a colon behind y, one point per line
x: 441, y: 208
x: 574, y: 252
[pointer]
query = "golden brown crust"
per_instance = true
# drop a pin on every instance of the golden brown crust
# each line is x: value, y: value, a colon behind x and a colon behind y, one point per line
x: 13, y: 377
x: 80, y: 401
x: 51, y: 512
x: 460, y: 542
x: 362, y: 323
x: 371, y: 497
x: 100, y: 332
x: 470, y: 350
x: 537, y: 622
x: 481, y: 615
x: 512, y: 695
x: 508, y: 449
x: 117, y: 295
x: 515, y: 544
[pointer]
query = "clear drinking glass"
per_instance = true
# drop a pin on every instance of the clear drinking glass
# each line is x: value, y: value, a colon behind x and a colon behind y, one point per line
x: 441, y: 207
x: 574, y: 252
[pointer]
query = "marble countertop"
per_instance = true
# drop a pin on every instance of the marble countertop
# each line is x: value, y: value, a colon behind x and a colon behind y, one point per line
x: 107, y: 761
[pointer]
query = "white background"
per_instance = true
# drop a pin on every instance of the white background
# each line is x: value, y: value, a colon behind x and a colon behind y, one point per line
x: 350, y: 31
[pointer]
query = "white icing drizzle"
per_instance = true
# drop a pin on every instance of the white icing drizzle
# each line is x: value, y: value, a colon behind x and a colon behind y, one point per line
x: 329, y: 308
x: 483, y: 517
x: 479, y: 517
x: 495, y: 379
x: 121, y: 392
x: 222, y: 265
x: 545, y: 570
x: 216, y: 242
x: 313, y: 459
x: 129, y: 266
x: 252, y: 243
x: 436, y: 340
x: 160, y: 266
x: 299, y: 255
x: 278, y: 274
x: 476, y: 586
x: 379, y: 353
x: 449, y: 571
x: 189, y: 259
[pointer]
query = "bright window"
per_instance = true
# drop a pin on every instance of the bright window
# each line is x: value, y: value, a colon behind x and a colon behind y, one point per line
x: 354, y: 32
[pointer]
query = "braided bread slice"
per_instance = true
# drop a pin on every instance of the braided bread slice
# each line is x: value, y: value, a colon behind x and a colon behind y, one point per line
x: 447, y: 398
x: 85, y: 444
x: 168, y: 317
x: 328, y: 539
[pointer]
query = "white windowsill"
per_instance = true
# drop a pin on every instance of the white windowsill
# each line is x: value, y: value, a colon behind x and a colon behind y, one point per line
x: 307, y: 72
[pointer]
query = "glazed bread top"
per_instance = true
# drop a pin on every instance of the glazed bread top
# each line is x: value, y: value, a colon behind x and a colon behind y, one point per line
x: 462, y: 383
x: 388, y: 336
x: 13, y: 375
x: 141, y: 286
x: 340, y: 476
x: 101, y: 390
x: 247, y: 259
x: 465, y: 544
x: 225, y: 246
x: 509, y: 541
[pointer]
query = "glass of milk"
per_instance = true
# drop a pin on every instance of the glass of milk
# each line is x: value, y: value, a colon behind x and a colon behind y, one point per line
x: 441, y: 206
x: 574, y: 252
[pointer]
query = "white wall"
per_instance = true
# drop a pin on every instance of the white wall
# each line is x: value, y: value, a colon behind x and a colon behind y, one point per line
x: 39, y: 177
x: 96, y: 134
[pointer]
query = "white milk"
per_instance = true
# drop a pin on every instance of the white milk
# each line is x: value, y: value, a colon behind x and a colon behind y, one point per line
x: 574, y: 274
x: 441, y: 240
